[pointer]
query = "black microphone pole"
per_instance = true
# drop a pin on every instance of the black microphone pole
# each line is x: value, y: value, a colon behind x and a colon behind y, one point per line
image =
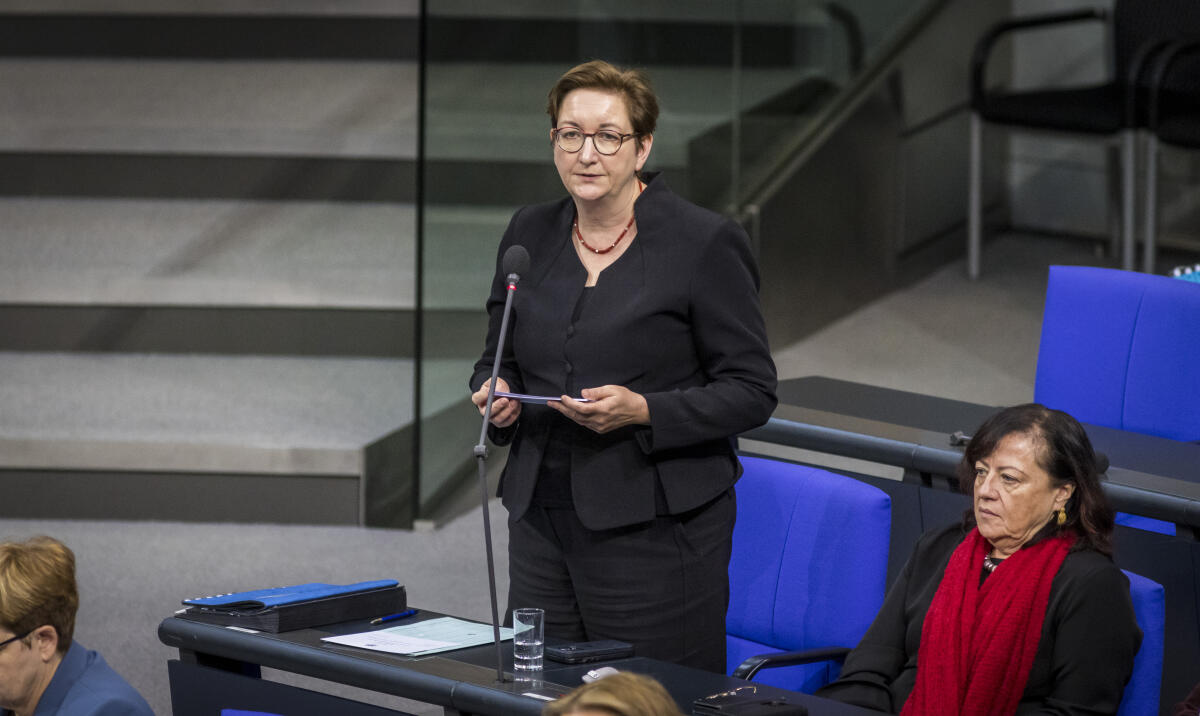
x: 514, y: 263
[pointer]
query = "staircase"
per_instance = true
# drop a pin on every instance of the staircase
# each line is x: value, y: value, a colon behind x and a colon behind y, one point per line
x: 207, y: 284
x: 210, y: 274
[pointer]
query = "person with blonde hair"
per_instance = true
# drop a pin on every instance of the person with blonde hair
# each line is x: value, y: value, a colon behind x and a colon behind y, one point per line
x: 43, y: 670
x: 622, y: 694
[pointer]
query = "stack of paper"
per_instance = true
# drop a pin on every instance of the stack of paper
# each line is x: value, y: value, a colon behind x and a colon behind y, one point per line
x: 421, y: 638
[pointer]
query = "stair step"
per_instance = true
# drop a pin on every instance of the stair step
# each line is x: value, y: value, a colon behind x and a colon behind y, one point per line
x: 274, y: 8
x: 127, y: 252
x: 328, y: 109
x: 244, y: 108
x: 460, y: 254
x: 268, y: 407
x: 74, y: 252
x: 297, y: 429
x: 515, y: 126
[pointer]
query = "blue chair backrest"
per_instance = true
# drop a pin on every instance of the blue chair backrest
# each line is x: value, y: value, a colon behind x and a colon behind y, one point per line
x: 1149, y: 606
x: 1120, y: 349
x: 809, y: 565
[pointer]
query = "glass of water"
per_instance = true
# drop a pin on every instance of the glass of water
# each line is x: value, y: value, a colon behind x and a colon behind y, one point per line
x: 528, y: 639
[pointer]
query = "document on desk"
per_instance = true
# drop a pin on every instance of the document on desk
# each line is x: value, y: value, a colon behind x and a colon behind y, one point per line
x: 422, y: 638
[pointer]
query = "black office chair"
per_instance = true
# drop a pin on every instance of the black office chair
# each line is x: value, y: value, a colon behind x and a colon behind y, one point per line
x: 1173, y: 118
x: 1111, y: 110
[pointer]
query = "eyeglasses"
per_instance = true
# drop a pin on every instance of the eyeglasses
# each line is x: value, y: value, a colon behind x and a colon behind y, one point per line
x: 10, y: 640
x: 606, y: 142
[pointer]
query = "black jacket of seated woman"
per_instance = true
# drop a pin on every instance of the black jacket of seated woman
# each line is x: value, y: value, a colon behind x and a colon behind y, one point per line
x: 1020, y: 609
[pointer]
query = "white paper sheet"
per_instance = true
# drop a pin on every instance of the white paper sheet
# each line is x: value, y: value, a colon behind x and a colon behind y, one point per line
x: 420, y: 638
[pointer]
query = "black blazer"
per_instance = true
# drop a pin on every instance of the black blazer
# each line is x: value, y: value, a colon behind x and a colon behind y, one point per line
x: 675, y: 318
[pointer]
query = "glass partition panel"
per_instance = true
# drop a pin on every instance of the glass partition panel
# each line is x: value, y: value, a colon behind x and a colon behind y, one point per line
x: 735, y: 80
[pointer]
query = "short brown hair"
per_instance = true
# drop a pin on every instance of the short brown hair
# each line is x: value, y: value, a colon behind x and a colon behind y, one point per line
x: 1065, y: 453
x: 632, y: 85
x: 37, y: 587
x: 621, y: 694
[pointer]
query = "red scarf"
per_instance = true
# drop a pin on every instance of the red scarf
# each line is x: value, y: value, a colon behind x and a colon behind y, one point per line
x: 978, y: 641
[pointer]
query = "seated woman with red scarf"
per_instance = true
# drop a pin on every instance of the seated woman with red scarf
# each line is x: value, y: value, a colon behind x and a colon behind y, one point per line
x: 1018, y: 610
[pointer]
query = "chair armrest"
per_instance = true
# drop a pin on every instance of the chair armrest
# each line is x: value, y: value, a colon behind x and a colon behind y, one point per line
x: 752, y: 665
x: 854, y: 35
x: 983, y: 48
x: 1162, y: 65
x: 1141, y: 62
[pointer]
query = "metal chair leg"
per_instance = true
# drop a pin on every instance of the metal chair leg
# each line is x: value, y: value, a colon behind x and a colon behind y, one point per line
x: 1151, y: 202
x: 1128, y: 199
x: 975, y: 198
x: 1114, y: 163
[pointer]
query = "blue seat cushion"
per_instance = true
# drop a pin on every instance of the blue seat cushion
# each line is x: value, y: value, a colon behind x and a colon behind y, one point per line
x: 1093, y: 110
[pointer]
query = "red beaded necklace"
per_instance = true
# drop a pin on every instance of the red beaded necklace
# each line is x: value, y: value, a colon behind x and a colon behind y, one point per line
x: 613, y: 245
x: 610, y: 247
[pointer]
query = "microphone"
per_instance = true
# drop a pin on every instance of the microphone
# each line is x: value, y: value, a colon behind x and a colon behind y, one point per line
x: 514, y: 263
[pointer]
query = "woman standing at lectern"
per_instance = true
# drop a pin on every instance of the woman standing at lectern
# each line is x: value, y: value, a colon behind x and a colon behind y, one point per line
x: 621, y: 509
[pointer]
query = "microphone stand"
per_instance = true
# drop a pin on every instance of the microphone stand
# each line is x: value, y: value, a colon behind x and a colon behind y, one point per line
x: 481, y: 453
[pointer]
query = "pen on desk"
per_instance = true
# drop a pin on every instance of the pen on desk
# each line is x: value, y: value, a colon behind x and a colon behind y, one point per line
x: 393, y: 617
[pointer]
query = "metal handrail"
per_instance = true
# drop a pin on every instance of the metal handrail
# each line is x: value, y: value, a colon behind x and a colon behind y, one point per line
x: 1119, y: 484
x: 804, y: 143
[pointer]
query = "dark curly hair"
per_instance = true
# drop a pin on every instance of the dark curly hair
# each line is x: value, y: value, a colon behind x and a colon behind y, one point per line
x: 1065, y: 453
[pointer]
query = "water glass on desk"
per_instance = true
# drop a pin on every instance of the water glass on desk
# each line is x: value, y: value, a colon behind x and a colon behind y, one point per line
x: 528, y: 639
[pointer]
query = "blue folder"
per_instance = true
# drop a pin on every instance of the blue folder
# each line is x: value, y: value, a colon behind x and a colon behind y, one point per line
x: 300, y: 606
x: 278, y: 596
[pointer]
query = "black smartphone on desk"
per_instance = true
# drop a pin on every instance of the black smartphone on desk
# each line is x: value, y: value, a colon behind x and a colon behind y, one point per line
x: 585, y: 652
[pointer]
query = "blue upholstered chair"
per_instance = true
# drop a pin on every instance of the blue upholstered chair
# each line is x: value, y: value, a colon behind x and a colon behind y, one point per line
x: 809, y: 567
x: 1119, y: 349
x: 1149, y: 606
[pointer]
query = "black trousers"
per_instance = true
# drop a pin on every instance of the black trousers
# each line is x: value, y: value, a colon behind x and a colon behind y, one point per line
x: 662, y: 585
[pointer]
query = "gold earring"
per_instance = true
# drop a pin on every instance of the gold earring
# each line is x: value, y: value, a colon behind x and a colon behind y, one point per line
x: 1062, y: 517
